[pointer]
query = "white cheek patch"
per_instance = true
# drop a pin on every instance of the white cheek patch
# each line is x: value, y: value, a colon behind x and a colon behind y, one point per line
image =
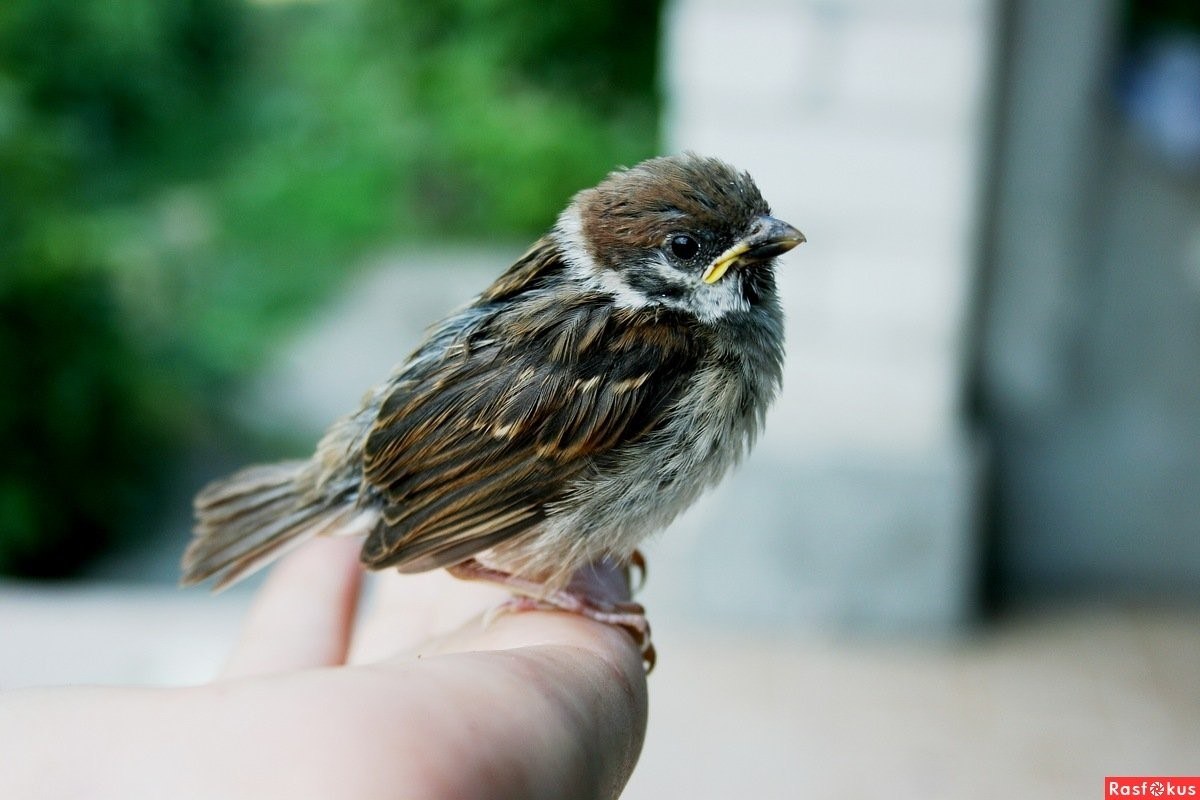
x: 583, y: 268
x: 707, y: 302
x: 608, y: 281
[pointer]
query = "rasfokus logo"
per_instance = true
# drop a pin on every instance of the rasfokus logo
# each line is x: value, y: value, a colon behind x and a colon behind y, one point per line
x: 1152, y: 786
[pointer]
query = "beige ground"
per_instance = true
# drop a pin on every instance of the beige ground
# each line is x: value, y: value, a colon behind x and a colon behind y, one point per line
x: 1040, y: 707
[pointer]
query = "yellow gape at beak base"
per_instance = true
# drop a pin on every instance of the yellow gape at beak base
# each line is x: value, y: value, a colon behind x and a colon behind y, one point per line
x: 717, y: 269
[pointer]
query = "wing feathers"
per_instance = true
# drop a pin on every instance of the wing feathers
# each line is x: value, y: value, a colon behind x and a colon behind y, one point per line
x: 469, y: 449
x: 246, y: 520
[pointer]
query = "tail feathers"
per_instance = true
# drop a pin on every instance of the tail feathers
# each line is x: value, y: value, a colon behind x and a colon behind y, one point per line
x: 249, y: 519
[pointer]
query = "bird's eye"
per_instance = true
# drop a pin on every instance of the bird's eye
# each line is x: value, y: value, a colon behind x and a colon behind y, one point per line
x: 683, y: 246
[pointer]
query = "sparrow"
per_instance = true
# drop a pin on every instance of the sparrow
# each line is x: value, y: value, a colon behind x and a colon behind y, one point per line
x: 618, y: 369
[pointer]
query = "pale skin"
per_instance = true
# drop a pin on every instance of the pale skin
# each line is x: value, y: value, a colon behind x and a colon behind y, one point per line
x: 409, y: 701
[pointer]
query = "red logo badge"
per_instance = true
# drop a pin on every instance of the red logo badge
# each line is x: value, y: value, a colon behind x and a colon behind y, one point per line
x: 1151, y: 786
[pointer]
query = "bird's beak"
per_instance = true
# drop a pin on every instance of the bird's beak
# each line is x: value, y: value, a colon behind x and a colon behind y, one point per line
x: 768, y: 238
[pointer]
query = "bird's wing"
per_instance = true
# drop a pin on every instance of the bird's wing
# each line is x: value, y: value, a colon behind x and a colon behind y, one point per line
x: 469, y: 448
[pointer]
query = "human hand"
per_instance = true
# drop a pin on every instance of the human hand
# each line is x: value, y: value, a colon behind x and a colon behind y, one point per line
x: 409, y: 702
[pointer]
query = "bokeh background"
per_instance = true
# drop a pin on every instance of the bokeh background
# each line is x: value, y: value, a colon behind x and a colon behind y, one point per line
x: 965, y: 557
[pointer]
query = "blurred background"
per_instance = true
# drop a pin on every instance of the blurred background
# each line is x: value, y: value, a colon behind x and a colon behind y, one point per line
x: 965, y: 557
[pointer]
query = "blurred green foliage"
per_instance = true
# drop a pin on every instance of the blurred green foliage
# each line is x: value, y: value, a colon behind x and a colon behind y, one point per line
x: 181, y: 182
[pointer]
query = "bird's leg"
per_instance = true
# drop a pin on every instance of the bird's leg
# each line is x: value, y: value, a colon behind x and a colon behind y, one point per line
x: 586, y: 594
x: 637, y: 561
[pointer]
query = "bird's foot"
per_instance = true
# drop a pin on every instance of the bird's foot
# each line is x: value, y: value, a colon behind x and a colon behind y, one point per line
x: 636, y: 565
x: 588, y: 594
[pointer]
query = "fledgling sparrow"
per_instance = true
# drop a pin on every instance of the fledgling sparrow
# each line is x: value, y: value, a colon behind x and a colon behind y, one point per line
x: 615, y: 371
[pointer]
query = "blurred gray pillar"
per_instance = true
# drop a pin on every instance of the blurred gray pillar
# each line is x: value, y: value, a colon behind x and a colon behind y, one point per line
x: 1088, y: 375
x: 862, y: 122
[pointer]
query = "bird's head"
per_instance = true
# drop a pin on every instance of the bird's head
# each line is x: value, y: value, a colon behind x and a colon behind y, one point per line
x: 684, y: 232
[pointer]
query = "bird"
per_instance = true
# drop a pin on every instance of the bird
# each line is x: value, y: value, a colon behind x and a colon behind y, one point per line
x: 614, y: 372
